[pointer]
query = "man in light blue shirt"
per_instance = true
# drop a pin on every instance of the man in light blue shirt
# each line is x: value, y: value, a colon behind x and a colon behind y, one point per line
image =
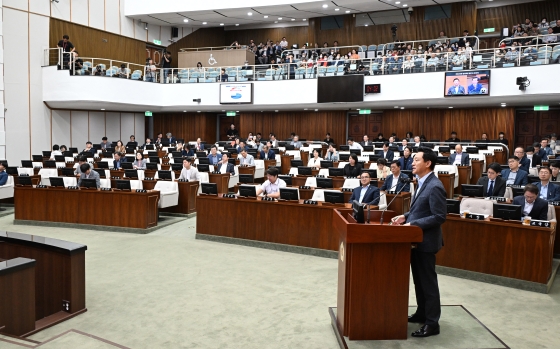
x: 547, y: 191
x: 214, y: 157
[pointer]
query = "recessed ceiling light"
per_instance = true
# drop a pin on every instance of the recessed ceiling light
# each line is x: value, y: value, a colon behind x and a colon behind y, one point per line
x: 184, y: 111
x: 337, y: 9
x: 450, y: 107
x: 221, y: 24
x: 366, y: 25
x: 265, y: 16
x: 293, y: 19
x: 237, y: 25
x: 198, y: 111
x: 249, y: 13
x: 316, y: 109
x: 325, y: 6
x: 405, y: 5
x: 279, y: 18
x: 237, y: 111
x: 275, y: 21
x: 503, y: 105
x: 185, y: 20
x: 204, y: 22
x: 102, y: 109
x: 304, y: 108
x: 398, y: 2
x: 304, y: 19
x: 347, y: 11
x: 223, y: 110
x: 396, y: 106
x: 276, y: 111
x: 402, y: 107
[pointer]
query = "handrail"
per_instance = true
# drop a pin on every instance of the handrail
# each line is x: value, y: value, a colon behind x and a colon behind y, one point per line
x: 214, y: 48
x: 407, y: 42
x: 524, y: 38
x: 471, y: 143
x: 336, y: 49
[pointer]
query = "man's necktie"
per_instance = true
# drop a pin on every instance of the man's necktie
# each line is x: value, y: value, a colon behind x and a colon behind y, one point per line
x: 491, y: 189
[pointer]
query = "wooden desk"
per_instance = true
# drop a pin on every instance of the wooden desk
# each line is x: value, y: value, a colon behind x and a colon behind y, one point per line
x: 104, y: 207
x: 17, y: 296
x: 268, y: 163
x: 401, y: 203
x: 490, y: 158
x: 35, y: 179
x: 477, y: 169
x: 59, y: 275
x: 501, y: 157
x: 464, y: 177
x: 187, y: 198
x: 304, y: 157
x: 222, y: 180
x: 448, y: 181
x: 497, y: 248
x: 247, y: 170
x: 285, y: 163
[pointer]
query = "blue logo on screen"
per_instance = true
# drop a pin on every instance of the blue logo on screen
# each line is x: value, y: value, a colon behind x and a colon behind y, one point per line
x: 236, y: 96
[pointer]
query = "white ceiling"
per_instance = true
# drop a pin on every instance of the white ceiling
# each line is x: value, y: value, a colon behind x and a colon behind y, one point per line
x: 288, y: 13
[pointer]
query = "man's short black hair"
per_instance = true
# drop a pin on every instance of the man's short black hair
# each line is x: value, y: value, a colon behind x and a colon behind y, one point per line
x: 396, y: 162
x: 531, y: 188
x: 382, y: 161
x: 84, y: 167
x: 545, y: 168
x: 428, y: 155
x: 386, y: 144
x: 554, y: 164
x: 453, y: 133
x: 82, y: 159
x: 213, y: 147
x: 88, y: 142
x: 495, y: 167
x: 536, y: 145
x: 273, y: 171
x: 65, y: 36
x: 104, y: 138
x: 456, y: 79
x: 55, y: 147
x: 350, y: 139
x: 514, y: 158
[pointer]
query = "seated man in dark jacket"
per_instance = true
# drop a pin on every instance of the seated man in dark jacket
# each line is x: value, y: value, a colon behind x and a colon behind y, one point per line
x: 365, y: 193
x: 531, y: 204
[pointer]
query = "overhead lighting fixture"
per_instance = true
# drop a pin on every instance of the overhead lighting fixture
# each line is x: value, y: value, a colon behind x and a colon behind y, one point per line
x: 237, y: 24
x: 184, y: 111
x: 402, y: 107
x: 366, y: 25
x: 316, y: 109
x: 450, y: 107
x: 304, y: 19
x: 325, y: 6
x: 398, y: 2
x: 198, y: 111
x: 265, y: 16
x: 204, y: 22
x: 221, y: 24
x: 249, y: 13
x: 185, y: 20
x: 337, y: 9
x: 304, y: 108
x: 347, y: 11
x: 396, y: 107
x: 503, y: 105
x: 102, y: 109
x: 293, y: 19
x: 275, y: 21
x: 405, y: 5
x: 279, y: 18
x: 276, y: 111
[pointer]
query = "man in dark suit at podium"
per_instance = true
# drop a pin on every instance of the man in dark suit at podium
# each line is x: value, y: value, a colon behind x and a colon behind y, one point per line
x: 366, y: 193
x: 427, y: 211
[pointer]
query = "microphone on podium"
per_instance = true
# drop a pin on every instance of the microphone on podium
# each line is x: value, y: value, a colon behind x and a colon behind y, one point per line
x: 369, y: 206
x: 402, y: 180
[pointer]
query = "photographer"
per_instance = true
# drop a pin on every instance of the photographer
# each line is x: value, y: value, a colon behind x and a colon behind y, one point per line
x: 149, y: 71
x: 98, y: 71
x: 77, y: 63
x: 166, y: 65
x: 122, y: 73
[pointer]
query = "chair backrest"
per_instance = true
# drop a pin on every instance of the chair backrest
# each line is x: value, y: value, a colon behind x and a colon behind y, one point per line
x: 166, y: 186
x: 351, y: 183
x: 551, y: 215
x: 136, y: 184
x: 480, y: 206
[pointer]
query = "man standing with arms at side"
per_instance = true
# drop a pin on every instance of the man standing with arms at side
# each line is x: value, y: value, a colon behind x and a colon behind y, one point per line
x: 427, y: 211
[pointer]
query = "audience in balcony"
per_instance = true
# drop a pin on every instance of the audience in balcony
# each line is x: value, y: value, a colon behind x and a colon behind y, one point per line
x: 149, y: 71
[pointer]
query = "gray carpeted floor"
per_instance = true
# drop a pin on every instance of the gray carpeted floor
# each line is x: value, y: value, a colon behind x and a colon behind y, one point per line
x: 168, y: 290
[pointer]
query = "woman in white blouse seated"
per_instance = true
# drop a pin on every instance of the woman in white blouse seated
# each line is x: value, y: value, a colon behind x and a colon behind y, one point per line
x: 382, y: 168
x: 139, y: 163
x: 315, y: 161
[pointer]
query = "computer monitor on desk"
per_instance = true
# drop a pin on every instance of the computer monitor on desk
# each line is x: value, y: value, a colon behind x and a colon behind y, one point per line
x: 69, y: 172
x: 471, y: 150
x: 444, y: 149
x: 131, y: 173
x: 324, y: 182
x: 358, y: 211
x: 248, y: 191
x: 100, y: 171
x: 442, y: 160
x: 204, y: 161
x: 289, y: 194
x: 368, y: 147
x: 358, y: 152
x: 149, y: 147
x: 122, y: 184
x: 344, y: 157
x: 275, y: 150
x: 177, y: 154
x: 201, y: 154
x: 73, y: 150
x: 165, y: 175
x: 47, y: 153
x: 296, y: 163
x: 89, y: 183
x: 59, y: 158
x: 287, y: 179
x: 25, y: 180
x: 126, y: 165
x: 372, y: 172
x: 374, y: 158
x: 408, y: 173
x: 334, y: 197
x: 517, y: 191
x: 151, y: 166
x: 344, y: 148
x: 453, y: 206
x: 27, y: 163
x: 12, y: 171
x: 104, y: 164
x: 176, y: 167
x: 246, y: 178
x: 336, y: 172
x: 209, y: 188
x: 37, y: 158
x: 304, y: 171
x: 326, y: 163
x: 473, y: 190
x: 507, y: 212
x: 56, y: 182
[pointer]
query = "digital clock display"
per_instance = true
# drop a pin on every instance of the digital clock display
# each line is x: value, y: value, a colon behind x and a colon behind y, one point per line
x: 373, y: 88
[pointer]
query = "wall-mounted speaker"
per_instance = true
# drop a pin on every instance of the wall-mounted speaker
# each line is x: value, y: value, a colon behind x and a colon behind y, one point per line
x: 174, y: 32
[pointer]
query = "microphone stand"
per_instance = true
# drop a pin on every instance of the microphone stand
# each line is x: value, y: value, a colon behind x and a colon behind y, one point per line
x: 403, y: 180
x: 369, y: 206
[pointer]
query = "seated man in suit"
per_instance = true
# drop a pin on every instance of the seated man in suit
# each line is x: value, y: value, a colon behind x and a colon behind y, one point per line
x: 492, y: 184
x: 241, y: 147
x: 148, y: 142
x: 555, y: 168
x: 459, y: 157
x: 456, y: 89
x: 404, y: 144
x: 540, y: 151
x: 214, y: 156
x: 515, y: 175
x: 354, y: 145
x: 331, y: 154
x: 296, y: 143
x: 406, y: 160
x: 271, y: 187
x: 118, y: 160
x: 199, y: 146
x: 87, y: 173
x: 365, y: 193
x: 532, y: 154
x: 189, y: 172
x: 524, y: 163
x: 88, y: 151
x: 267, y: 153
x: 417, y: 142
x: 170, y: 138
x: 366, y: 141
x: 132, y: 142
x: 548, y: 148
x: 398, y: 181
x: 105, y: 143
x: 246, y: 159
x: 159, y: 139
x: 531, y: 204
x: 387, y: 154
x: 3, y: 174
x: 547, y: 191
x: 81, y: 160
x: 453, y: 137
x: 225, y: 167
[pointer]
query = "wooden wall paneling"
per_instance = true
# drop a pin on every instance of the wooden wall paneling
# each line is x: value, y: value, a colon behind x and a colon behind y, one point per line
x: 374, y: 123
x: 90, y: 42
x: 507, y: 16
x: 548, y: 122
x: 188, y: 126
x: 207, y: 37
x: 526, y: 126
x: 356, y: 127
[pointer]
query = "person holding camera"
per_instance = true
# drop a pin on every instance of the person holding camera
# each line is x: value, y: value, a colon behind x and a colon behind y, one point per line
x: 122, y: 73
x: 166, y: 65
x: 149, y: 71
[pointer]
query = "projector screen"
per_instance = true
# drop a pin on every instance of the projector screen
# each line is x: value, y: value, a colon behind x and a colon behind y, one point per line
x: 236, y: 93
x: 467, y: 83
x: 345, y: 88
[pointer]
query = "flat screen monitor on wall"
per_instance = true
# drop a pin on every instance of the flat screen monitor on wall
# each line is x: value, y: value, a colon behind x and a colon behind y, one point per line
x: 349, y: 88
x: 467, y: 83
x: 236, y: 93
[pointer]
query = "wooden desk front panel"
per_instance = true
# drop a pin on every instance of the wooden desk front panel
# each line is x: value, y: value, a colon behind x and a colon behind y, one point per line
x: 187, y: 198
x: 17, y: 301
x: 87, y: 207
x: 497, y: 248
x: 277, y: 222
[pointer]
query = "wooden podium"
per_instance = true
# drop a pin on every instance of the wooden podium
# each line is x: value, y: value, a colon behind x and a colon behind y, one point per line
x: 222, y: 180
x: 373, y: 277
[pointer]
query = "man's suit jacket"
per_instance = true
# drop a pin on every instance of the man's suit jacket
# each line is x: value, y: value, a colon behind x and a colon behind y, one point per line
x: 363, y: 144
x: 451, y: 91
x: 539, y: 211
x: 271, y: 155
x: 230, y: 168
x: 390, y: 155
x: 542, y: 154
x: 428, y: 210
x: 553, y: 192
x: 536, y: 160
x: 389, y: 183
x: 499, y: 186
x: 3, y: 177
x: 171, y: 140
x: 332, y: 156
x: 249, y: 160
x: 406, y: 164
x: 92, y: 175
x: 198, y: 147
x: 521, y: 178
x: 123, y: 159
x: 524, y: 163
x: 371, y: 197
x: 464, y: 159
x: 194, y: 174
x: 297, y: 144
